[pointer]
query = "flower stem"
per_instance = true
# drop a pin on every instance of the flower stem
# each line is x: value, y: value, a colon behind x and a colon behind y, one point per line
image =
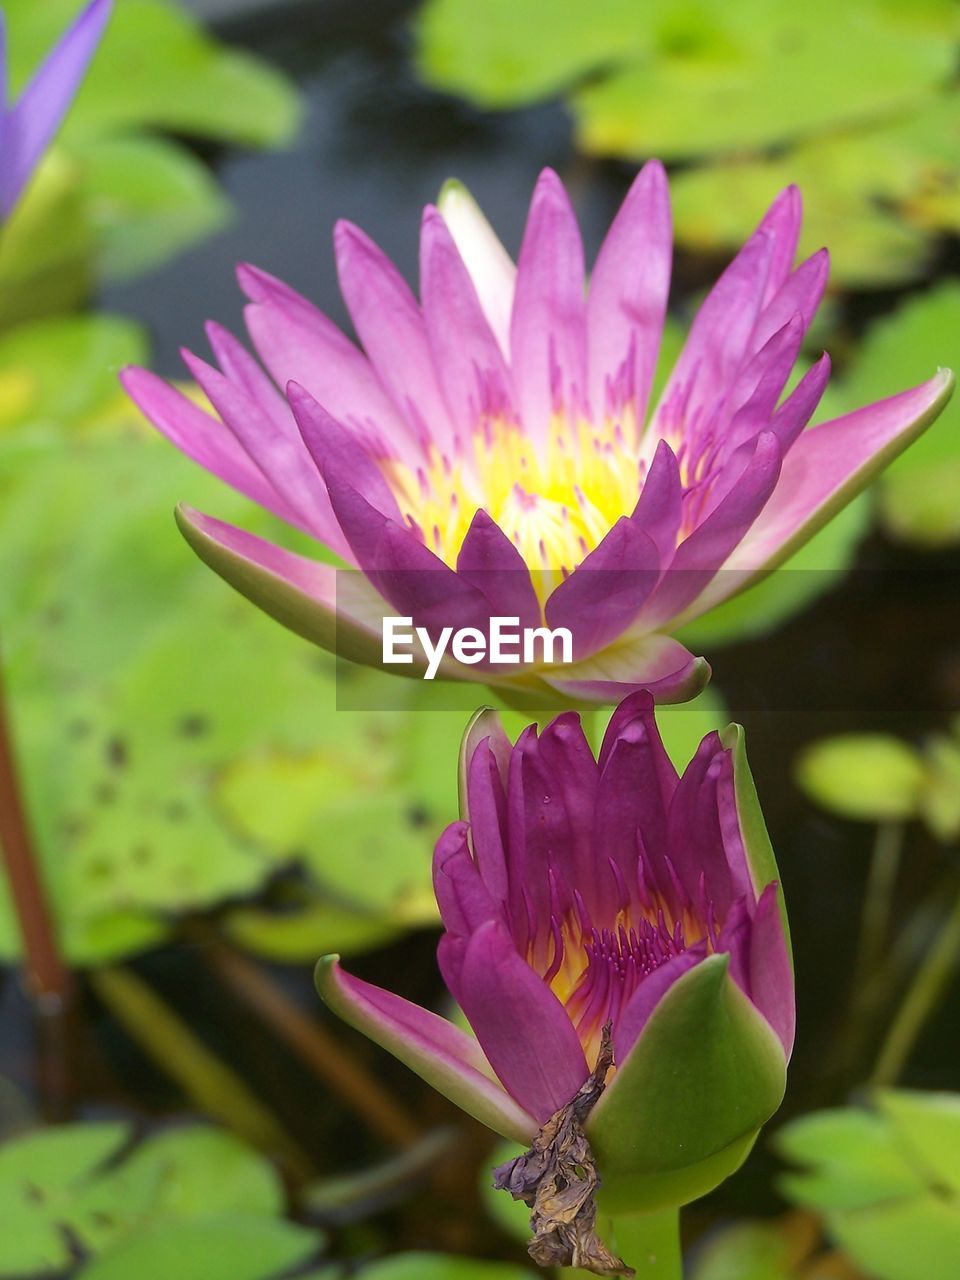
x: 878, y: 899
x: 48, y: 977
x: 921, y: 999
x: 648, y: 1242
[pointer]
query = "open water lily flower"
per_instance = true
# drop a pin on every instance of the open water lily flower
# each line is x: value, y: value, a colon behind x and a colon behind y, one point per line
x: 27, y: 128
x: 491, y: 450
x: 580, y: 892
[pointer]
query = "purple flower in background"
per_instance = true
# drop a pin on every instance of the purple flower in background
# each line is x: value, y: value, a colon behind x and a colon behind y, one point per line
x: 27, y: 128
x: 580, y: 892
x: 494, y: 450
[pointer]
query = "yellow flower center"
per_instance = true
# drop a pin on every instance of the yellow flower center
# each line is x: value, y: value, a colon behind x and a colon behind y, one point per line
x: 555, y: 506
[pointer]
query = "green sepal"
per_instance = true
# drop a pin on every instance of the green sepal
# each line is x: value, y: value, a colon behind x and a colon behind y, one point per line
x: 753, y: 828
x: 683, y: 1110
x: 281, y: 600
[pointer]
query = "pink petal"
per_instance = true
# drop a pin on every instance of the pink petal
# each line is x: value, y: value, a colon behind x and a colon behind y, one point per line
x: 548, y: 347
x: 205, y: 440
x: 390, y: 325
x: 522, y: 1027
x: 472, y: 371
x: 832, y: 462
x: 627, y: 300
x: 275, y: 446
x: 434, y: 1048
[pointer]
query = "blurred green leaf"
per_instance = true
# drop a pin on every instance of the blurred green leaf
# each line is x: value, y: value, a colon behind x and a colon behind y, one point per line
x: 884, y: 1181
x: 147, y: 199
x: 870, y: 776
x: 112, y: 198
x: 227, y: 1247
x: 919, y: 495
x: 748, y: 1251
x: 875, y: 777
x: 156, y: 67
x: 69, y: 1183
x: 940, y: 799
x: 440, y: 1266
x: 65, y: 370
x: 756, y: 95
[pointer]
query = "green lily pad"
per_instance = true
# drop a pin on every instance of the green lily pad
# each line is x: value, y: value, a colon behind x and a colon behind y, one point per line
x: 177, y: 748
x: 112, y: 198
x: 919, y: 495
x: 748, y: 1251
x: 71, y: 1182
x: 754, y: 95
x: 438, y: 1266
x: 885, y: 1182
x: 879, y: 778
x: 228, y: 1247
x: 869, y: 776
x: 156, y: 67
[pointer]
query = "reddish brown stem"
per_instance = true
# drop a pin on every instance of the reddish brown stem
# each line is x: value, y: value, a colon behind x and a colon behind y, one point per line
x: 49, y: 979
x: 315, y: 1046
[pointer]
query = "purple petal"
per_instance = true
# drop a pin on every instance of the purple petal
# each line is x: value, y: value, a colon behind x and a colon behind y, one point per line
x: 298, y: 343
x: 719, y: 336
x: 607, y: 590
x: 782, y: 223
x: 274, y: 445
x: 832, y: 462
x: 627, y: 300
x: 329, y: 444
x: 27, y: 130
x: 205, y: 440
x: 656, y: 663
x: 633, y: 800
x: 239, y: 367
x: 439, y: 1052
x: 548, y: 346
x: 771, y: 973
x: 406, y: 573
x: 484, y: 806
x: 560, y: 791
x: 800, y: 295
x: 800, y: 405
x: 464, y: 901
x: 390, y: 325
x: 760, y: 384
x: 489, y: 561
x: 471, y: 368
x: 522, y: 1027
x: 704, y: 841
x: 700, y: 557
x: 660, y: 507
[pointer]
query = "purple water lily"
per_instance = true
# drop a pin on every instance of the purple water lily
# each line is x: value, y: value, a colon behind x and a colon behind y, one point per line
x: 579, y: 892
x: 493, y: 450
x: 27, y: 128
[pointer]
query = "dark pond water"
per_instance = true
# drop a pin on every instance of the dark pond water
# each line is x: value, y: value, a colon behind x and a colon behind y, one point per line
x: 879, y: 651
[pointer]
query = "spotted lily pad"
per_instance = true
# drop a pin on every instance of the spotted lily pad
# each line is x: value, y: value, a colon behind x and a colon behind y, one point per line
x: 177, y: 748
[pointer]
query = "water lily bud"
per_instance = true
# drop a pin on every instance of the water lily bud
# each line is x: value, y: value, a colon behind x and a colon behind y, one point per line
x: 584, y: 898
